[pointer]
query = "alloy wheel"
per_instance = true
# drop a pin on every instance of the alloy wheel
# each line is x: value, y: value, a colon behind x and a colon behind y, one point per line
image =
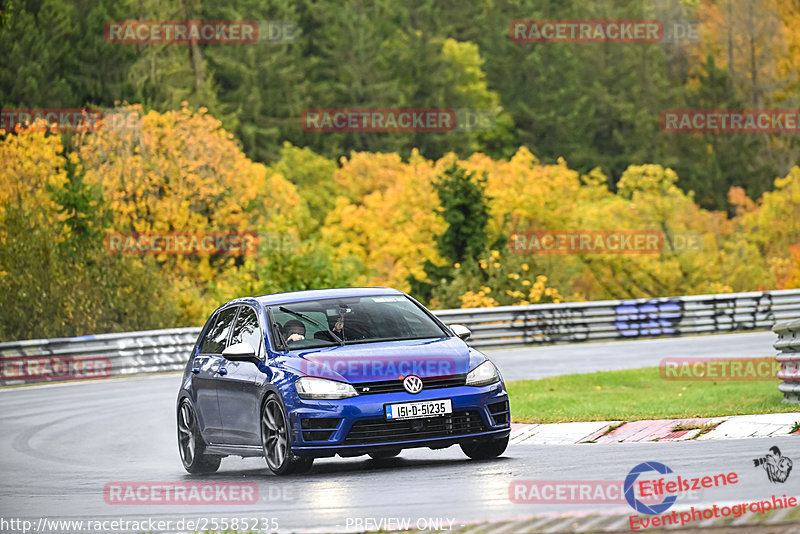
x: 186, y: 433
x: 274, y: 434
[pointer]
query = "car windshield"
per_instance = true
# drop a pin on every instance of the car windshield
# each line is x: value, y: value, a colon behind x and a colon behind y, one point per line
x: 318, y: 323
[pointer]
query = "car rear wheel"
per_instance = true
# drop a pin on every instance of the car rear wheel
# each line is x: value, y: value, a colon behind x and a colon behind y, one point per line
x: 275, y: 440
x: 191, y: 445
x: 484, y: 449
x: 382, y: 455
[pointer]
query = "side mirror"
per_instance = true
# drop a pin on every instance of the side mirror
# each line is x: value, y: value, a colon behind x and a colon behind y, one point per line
x: 461, y: 331
x: 240, y: 352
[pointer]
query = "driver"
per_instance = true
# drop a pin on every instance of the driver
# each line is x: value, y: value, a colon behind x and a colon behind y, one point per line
x: 294, y: 330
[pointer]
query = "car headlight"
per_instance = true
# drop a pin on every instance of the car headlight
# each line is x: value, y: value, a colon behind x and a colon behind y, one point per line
x: 483, y: 375
x: 320, y: 388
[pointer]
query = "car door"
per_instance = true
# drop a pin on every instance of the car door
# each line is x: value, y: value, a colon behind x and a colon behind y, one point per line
x: 238, y: 389
x: 206, y: 372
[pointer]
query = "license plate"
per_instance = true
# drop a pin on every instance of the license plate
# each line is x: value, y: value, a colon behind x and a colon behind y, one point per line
x: 416, y: 410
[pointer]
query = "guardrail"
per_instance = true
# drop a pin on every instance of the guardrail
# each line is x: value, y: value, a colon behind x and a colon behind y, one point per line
x: 789, y: 357
x: 152, y: 351
x: 97, y: 356
x: 626, y: 319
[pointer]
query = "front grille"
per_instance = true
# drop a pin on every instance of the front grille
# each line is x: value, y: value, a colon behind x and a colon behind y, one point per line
x: 319, y: 428
x: 396, y: 386
x: 381, y: 431
x: 500, y: 412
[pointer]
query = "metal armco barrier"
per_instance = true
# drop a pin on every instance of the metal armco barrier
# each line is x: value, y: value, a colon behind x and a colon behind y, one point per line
x: 98, y: 356
x: 153, y: 351
x: 626, y: 319
x: 789, y: 357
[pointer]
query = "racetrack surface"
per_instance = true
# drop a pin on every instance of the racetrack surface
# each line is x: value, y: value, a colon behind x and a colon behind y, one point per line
x: 61, y: 445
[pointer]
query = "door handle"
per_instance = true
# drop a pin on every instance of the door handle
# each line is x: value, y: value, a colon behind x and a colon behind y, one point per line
x: 223, y: 371
x: 196, y: 370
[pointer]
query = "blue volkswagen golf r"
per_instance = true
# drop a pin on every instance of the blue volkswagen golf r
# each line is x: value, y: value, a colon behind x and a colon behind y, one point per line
x: 308, y: 374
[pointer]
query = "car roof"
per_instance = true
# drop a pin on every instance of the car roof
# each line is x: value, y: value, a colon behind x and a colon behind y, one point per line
x: 314, y: 294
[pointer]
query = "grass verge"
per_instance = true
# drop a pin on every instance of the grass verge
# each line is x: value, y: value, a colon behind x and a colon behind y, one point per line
x: 635, y: 394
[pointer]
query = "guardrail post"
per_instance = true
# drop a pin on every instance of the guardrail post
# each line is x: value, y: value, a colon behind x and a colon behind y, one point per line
x: 789, y: 357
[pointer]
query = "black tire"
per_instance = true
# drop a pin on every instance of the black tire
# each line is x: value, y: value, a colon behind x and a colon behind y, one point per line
x: 191, y: 446
x: 300, y: 465
x: 276, y: 441
x: 383, y: 455
x: 485, y: 449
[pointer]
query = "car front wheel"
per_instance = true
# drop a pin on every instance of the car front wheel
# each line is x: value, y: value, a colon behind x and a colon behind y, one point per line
x: 190, y: 444
x: 275, y: 440
x: 484, y: 449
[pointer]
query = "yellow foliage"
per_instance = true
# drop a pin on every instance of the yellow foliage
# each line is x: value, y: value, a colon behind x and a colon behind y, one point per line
x: 31, y: 164
x: 477, y: 300
x: 179, y: 171
x: 774, y: 225
x: 391, y: 229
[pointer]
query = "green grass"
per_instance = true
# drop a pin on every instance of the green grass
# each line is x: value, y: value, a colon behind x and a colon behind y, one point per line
x: 635, y: 394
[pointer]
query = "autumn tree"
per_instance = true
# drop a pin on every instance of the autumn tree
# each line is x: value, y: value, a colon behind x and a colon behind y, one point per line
x: 53, y: 266
x: 386, y: 219
x: 772, y: 226
x: 463, y: 206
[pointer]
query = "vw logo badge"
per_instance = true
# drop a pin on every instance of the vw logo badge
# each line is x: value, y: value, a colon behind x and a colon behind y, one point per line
x: 413, y: 384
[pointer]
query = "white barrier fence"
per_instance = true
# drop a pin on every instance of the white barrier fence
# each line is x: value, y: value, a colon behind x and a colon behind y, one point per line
x: 153, y: 351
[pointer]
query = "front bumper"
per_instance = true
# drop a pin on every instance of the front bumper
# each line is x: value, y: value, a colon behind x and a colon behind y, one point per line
x: 356, y: 426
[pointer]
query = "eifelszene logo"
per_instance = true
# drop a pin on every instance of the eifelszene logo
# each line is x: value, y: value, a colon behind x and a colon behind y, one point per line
x: 630, y: 494
x: 669, y: 488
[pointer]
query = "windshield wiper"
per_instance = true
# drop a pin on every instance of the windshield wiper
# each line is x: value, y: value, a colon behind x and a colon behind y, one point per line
x: 312, y: 321
x: 277, y: 328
